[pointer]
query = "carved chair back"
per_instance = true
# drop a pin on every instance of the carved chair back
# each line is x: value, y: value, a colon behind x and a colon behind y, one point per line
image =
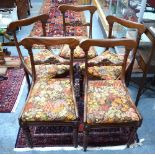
x: 48, y: 41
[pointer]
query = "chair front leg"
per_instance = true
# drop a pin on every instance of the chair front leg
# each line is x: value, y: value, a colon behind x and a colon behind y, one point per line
x: 132, y: 136
x: 28, y: 136
x: 75, y: 135
x: 140, y: 88
x: 85, y: 138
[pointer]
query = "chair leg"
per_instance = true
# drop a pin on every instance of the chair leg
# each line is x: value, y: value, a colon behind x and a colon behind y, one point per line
x: 85, y: 138
x: 75, y: 136
x: 27, y: 79
x: 26, y: 130
x: 131, y: 136
x: 128, y: 74
x: 140, y: 88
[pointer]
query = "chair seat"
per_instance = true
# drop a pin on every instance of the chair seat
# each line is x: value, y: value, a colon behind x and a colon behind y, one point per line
x: 107, y: 58
x: 51, y: 70
x: 109, y: 102
x: 104, y: 72
x: 50, y: 100
x: 46, y: 56
x: 78, y: 53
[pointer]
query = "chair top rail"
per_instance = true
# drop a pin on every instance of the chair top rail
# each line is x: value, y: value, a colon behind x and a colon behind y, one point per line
x: 128, y: 43
x: 24, y: 22
x: 130, y: 24
x: 48, y: 41
x: 63, y: 8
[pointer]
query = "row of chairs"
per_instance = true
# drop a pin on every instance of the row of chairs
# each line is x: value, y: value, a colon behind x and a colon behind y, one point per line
x: 48, y: 105
x: 51, y: 101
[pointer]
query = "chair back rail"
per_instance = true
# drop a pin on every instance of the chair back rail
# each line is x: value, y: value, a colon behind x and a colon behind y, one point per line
x: 28, y: 21
x: 64, y: 8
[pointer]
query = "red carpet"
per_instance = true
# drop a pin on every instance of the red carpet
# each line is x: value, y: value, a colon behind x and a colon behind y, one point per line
x: 54, y: 26
x: 9, y: 89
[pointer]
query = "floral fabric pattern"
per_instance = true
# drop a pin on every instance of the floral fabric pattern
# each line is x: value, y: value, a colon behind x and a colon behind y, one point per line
x: 109, y: 102
x: 78, y: 53
x: 103, y: 72
x: 45, y: 56
x: 50, y: 100
x: 107, y: 58
x: 51, y: 70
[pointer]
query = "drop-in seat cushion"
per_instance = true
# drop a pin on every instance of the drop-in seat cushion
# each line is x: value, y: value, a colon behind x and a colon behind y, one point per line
x: 51, y: 70
x: 50, y: 100
x: 107, y: 58
x: 45, y: 56
x: 103, y: 72
x: 109, y: 102
x: 78, y: 53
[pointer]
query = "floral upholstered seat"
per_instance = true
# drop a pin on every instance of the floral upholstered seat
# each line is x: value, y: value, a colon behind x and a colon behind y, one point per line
x: 110, y: 68
x: 46, y: 56
x: 109, y: 102
x: 54, y: 64
x: 107, y: 58
x: 51, y: 70
x: 104, y: 72
x: 78, y: 53
x: 50, y: 100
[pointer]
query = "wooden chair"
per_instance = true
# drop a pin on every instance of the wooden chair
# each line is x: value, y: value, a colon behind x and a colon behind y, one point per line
x: 112, y: 60
x: 45, y: 55
x: 51, y: 101
x: 146, y: 60
x: 107, y: 103
x: 75, y: 23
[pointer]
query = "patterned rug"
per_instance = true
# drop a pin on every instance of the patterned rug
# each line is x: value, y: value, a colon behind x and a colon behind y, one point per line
x: 62, y: 137
x: 9, y: 89
x: 54, y: 26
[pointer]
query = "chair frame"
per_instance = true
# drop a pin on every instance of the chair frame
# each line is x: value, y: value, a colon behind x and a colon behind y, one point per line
x: 47, y: 41
x: 145, y: 64
x: 13, y: 26
x: 64, y: 8
x: 129, y: 24
x: 107, y: 43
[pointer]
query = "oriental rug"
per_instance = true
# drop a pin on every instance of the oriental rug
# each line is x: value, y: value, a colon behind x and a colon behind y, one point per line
x: 54, y: 25
x: 9, y: 89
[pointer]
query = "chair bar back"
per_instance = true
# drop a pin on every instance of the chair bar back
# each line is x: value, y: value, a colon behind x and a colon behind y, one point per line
x: 64, y: 8
x: 48, y: 41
